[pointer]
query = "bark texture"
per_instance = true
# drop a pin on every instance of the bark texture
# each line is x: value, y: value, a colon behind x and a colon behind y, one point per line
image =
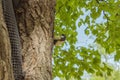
x: 35, y: 19
x: 6, y: 72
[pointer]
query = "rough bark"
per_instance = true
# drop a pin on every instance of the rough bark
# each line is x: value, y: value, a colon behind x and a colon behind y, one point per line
x: 35, y: 19
x: 6, y: 72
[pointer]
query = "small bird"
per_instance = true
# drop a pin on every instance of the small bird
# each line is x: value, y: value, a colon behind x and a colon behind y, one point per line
x: 59, y: 40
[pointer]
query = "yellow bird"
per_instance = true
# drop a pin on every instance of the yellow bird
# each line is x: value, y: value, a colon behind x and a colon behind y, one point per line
x: 59, y: 40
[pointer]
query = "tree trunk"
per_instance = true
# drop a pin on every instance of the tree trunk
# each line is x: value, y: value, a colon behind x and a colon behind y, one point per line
x: 35, y: 20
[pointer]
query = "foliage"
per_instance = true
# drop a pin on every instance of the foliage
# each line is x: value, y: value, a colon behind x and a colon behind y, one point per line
x: 115, y: 76
x: 70, y: 60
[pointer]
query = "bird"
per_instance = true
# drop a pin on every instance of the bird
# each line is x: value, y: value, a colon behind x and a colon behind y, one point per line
x: 59, y: 40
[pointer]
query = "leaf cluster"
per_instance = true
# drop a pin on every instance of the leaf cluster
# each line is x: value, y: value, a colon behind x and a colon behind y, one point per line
x: 71, y: 61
